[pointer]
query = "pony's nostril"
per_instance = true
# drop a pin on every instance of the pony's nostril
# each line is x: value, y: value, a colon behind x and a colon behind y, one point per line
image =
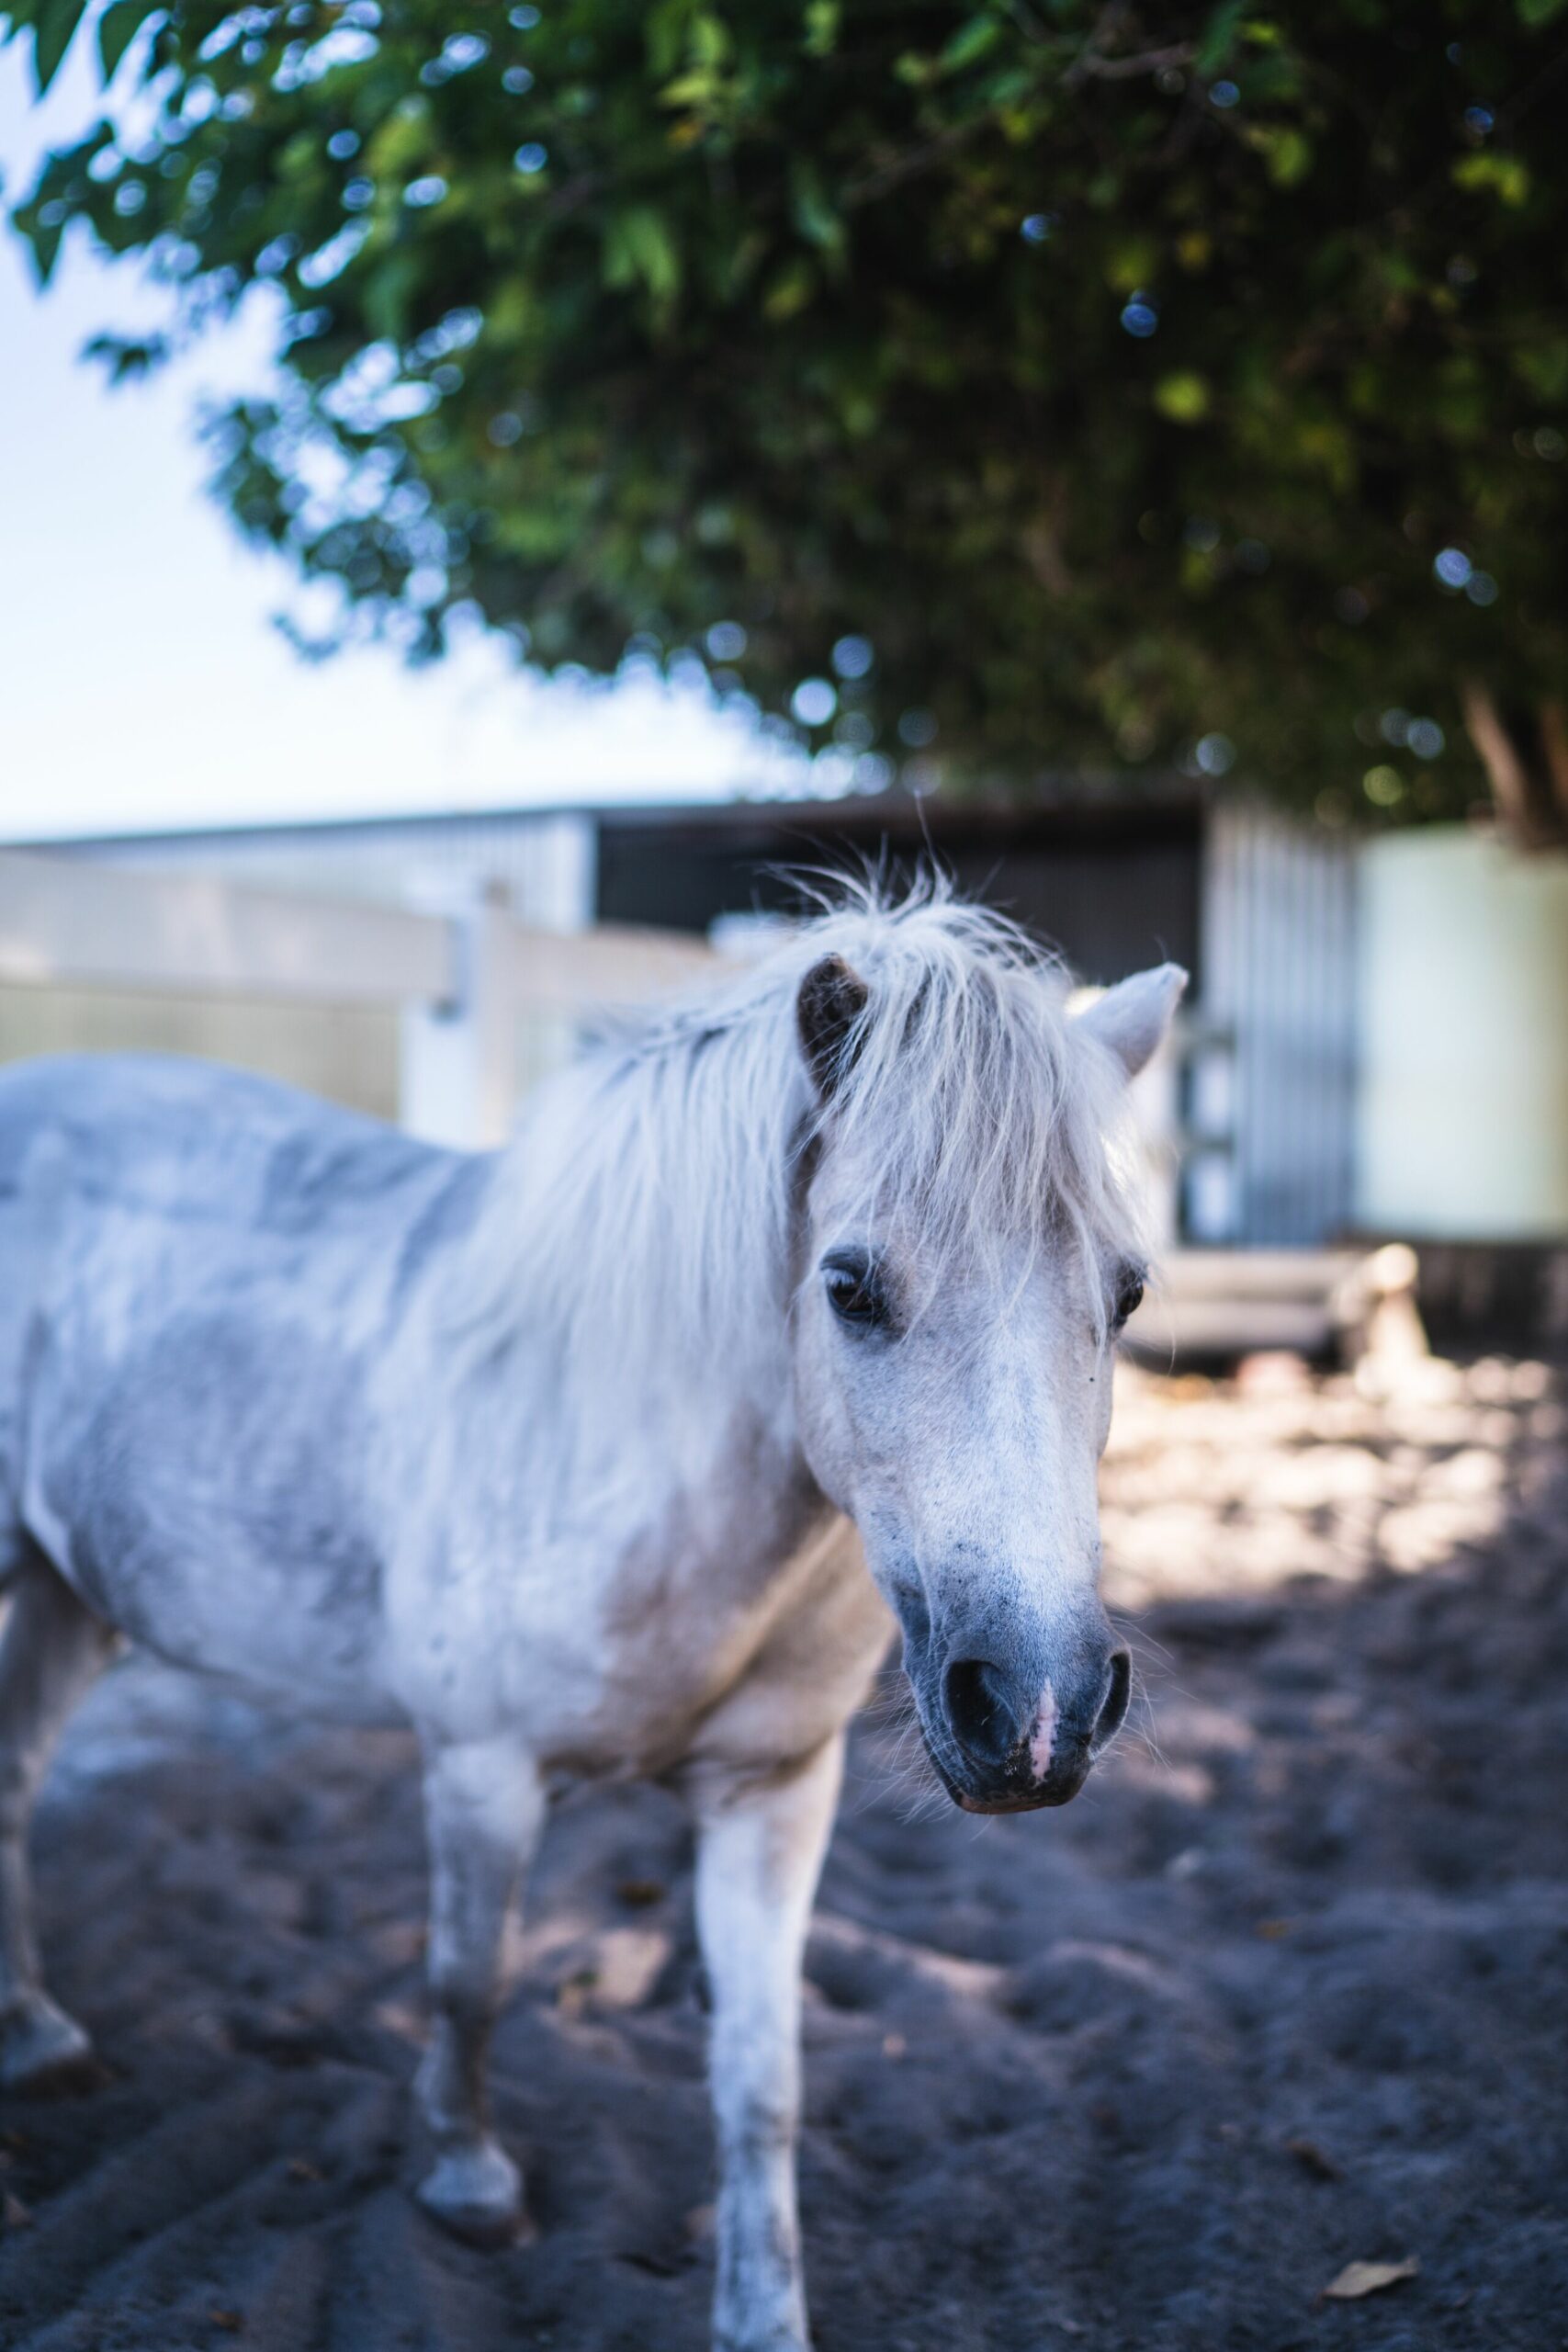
x: 1112, y: 1714
x: 981, y: 1709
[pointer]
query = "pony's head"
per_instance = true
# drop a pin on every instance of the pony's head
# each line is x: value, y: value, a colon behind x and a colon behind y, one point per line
x: 964, y: 1254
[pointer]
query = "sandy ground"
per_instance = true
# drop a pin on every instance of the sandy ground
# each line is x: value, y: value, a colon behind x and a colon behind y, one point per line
x: 1285, y: 1989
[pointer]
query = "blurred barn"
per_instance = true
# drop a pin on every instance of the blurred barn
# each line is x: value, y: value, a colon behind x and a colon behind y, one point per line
x: 1362, y: 1055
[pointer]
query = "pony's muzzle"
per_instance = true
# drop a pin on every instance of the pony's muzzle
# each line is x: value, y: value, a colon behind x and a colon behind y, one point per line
x: 1020, y: 1747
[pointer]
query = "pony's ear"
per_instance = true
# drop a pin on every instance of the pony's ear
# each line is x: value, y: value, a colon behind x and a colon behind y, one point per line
x: 1132, y: 1020
x: 832, y: 998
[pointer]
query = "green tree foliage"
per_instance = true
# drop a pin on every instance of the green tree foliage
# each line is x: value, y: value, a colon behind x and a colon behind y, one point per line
x: 1002, y: 383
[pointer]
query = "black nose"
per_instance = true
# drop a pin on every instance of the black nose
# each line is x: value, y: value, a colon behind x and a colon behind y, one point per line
x: 991, y: 1714
x: 985, y: 1708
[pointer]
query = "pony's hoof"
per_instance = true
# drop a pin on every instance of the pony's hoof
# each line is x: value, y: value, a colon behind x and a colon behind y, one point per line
x: 760, y: 2321
x: 477, y: 2194
x: 785, y: 2339
x: 41, y: 2049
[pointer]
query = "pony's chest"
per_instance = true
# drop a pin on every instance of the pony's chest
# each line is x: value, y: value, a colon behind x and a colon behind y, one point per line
x: 686, y: 1606
x: 613, y: 1634
x: 747, y: 1659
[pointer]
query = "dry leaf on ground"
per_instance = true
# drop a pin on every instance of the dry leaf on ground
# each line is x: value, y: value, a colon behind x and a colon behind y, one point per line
x: 1359, y: 2279
x: 1314, y: 2159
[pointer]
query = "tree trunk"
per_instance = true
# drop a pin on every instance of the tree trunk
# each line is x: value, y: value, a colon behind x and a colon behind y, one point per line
x: 1526, y: 759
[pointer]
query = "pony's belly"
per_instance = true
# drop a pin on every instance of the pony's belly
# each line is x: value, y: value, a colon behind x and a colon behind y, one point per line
x: 305, y: 1630
x: 202, y: 1495
x: 282, y: 1629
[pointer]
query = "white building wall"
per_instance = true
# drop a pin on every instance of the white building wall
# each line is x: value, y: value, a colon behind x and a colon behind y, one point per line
x: 1464, y: 1121
x: 542, y: 865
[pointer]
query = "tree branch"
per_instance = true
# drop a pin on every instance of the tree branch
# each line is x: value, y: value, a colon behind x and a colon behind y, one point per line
x: 1554, y: 746
x: 914, y: 161
x: 1499, y: 756
x: 1125, y: 69
x: 1523, y: 804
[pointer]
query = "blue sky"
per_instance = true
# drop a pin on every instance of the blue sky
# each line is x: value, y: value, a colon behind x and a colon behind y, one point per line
x: 142, y: 682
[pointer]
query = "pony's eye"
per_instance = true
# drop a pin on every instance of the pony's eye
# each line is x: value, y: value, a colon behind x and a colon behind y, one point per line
x: 853, y: 1293
x: 1129, y: 1297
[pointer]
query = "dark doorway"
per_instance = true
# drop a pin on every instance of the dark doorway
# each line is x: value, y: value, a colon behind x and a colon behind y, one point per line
x: 1114, y: 890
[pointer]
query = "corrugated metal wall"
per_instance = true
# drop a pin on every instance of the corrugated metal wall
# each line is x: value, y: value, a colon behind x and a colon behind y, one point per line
x: 1272, y: 1087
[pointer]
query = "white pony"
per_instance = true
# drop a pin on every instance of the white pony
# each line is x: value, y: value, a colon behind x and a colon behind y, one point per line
x: 561, y: 1454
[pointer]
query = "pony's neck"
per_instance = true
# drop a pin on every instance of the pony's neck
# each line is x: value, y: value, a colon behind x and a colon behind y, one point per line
x: 638, y: 1233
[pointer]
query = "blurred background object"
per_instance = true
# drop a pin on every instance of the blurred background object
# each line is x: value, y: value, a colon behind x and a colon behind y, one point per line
x: 1372, y: 1047
x: 1091, y: 452
x: 972, y: 392
x: 568, y: 464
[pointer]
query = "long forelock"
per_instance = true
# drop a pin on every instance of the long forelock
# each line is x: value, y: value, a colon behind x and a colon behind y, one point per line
x: 987, y: 1122
x: 661, y: 1175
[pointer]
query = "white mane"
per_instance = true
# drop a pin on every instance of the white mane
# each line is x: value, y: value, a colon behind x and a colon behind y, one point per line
x: 656, y: 1180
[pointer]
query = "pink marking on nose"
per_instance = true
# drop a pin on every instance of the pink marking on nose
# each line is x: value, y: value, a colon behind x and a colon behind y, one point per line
x: 1042, y: 1738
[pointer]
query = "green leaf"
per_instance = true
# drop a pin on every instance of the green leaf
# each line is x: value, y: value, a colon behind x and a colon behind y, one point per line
x: 664, y: 31
x: 44, y: 243
x: 1287, y: 152
x: 1543, y: 366
x: 1539, y: 12
x: 117, y: 28
x: 1506, y: 176
x: 698, y: 89
x: 1218, y: 34
x: 815, y: 216
x: 790, y: 291
x: 969, y: 43
x: 1183, y: 397
x: 709, y: 37
x: 53, y: 27
x: 637, y: 246
x: 821, y: 28
x: 128, y: 355
x: 16, y: 19
x: 388, y: 297
x: 1133, y: 263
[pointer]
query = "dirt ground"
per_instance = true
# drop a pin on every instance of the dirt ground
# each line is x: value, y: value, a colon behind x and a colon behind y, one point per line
x: 1285, y: 1989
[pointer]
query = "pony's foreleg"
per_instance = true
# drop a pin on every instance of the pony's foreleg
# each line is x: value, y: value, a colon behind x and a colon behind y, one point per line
x: 759, y: 1850
x: 53, y: 1647
x: 484, y: 1807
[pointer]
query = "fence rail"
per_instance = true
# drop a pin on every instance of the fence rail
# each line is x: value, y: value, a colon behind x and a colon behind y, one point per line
x: 66, y: 920
x: 460, y: 980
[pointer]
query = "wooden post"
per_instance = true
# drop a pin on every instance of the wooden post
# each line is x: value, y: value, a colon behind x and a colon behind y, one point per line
x: 457, y: 1078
